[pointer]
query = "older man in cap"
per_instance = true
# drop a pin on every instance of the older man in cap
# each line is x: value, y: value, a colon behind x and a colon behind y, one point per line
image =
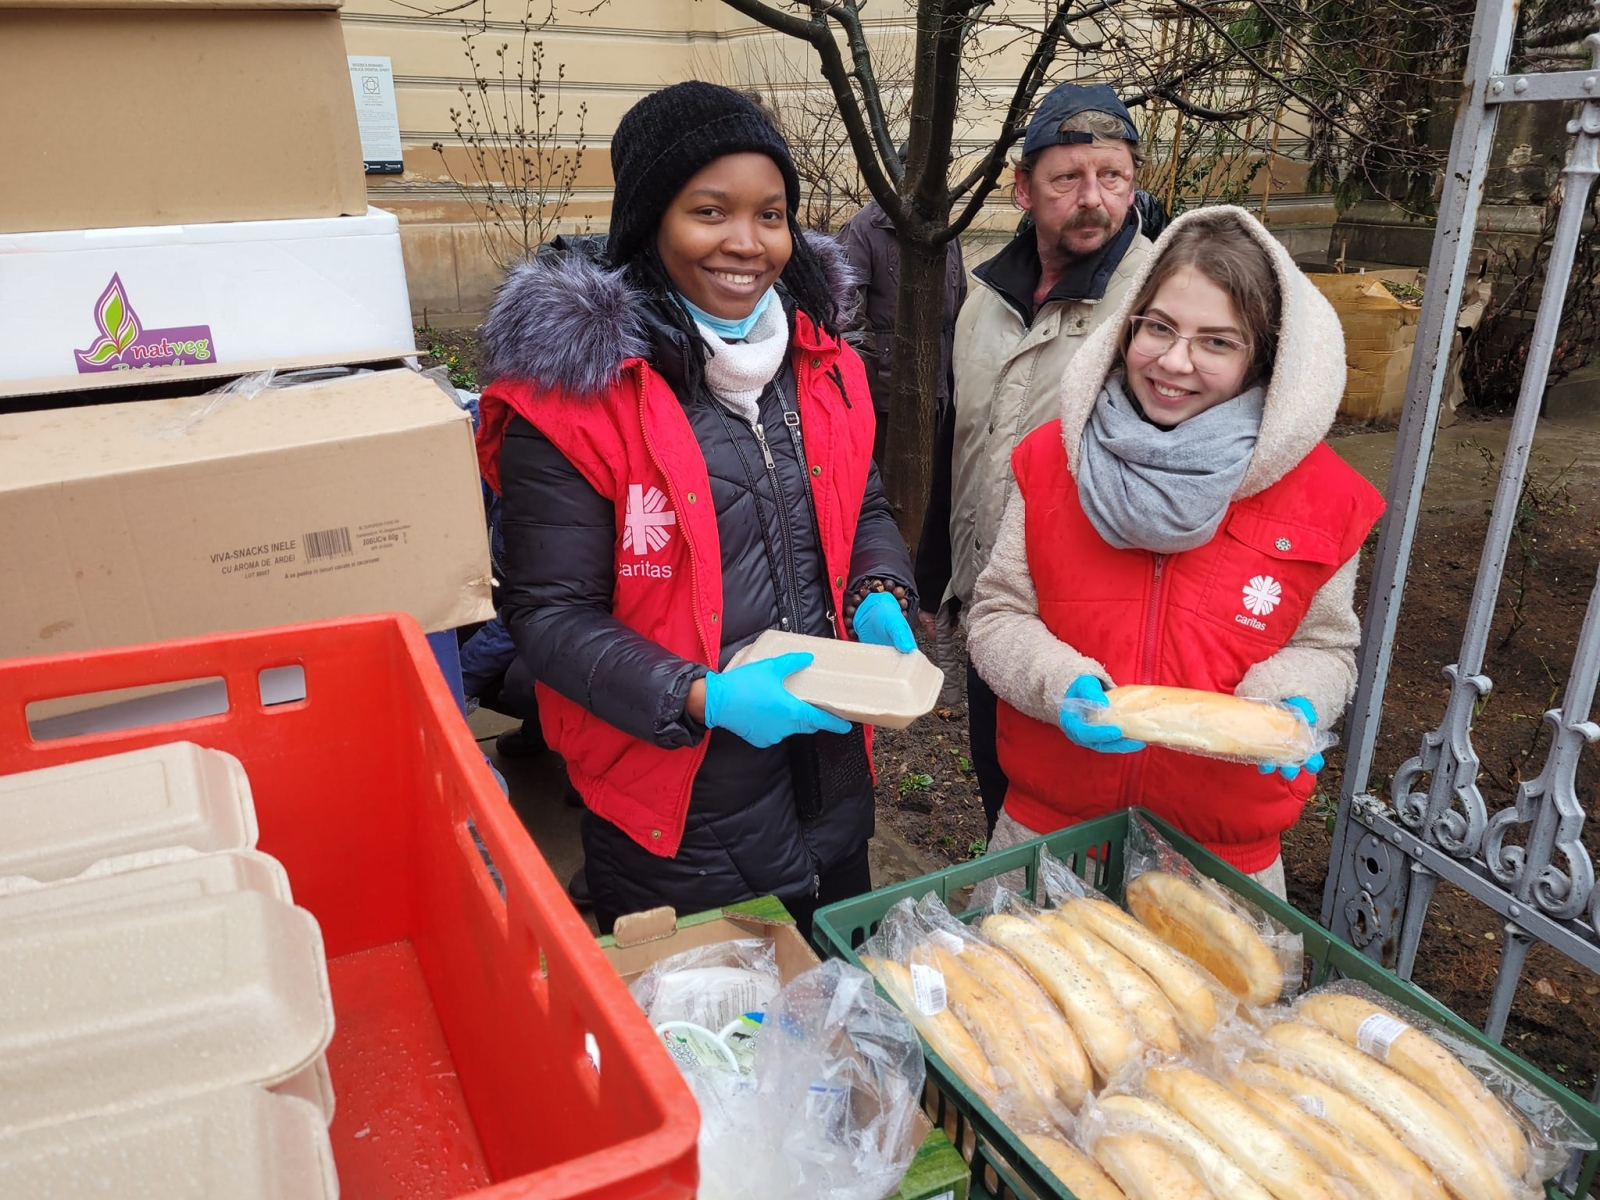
x: 1039, y: 298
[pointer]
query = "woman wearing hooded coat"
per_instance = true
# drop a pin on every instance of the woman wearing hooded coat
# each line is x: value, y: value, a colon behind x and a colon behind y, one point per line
x: 1181, y: 524
x: 682, y: 445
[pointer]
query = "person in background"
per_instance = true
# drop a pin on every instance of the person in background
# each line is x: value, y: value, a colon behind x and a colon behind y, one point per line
x: 869, y: 242
x: 1180, y: 523
x: 682, y: 444
x: 1037, y: 301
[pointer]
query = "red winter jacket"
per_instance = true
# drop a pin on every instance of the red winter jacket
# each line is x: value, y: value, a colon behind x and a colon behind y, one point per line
x: 633, y: 444
x: 1198, y: 619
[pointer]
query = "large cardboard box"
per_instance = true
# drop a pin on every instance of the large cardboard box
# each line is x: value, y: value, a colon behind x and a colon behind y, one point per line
x: 78, y: 306
x: 643, y: 939
x: 123, y: 113
x: 137, y: 522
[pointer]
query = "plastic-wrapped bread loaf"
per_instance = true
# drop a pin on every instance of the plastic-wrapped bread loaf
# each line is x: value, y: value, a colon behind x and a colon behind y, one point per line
x: 1209, y: 723
x: 1415, y: 1055
x: 995, y: 1027
x: 1146, y: 1169
x: 1263, y: 1150
x: 1332, y: 1151
x: 1106, y: 1031
x: 1072, y: 1167
x: 944, y: 1032
x: 1216, y: 937
x: 1185, y: 988
x: 1051, y: 1035
x: 1225, y: 1176
x: 1424, y: 1124
x: 1134, y: 990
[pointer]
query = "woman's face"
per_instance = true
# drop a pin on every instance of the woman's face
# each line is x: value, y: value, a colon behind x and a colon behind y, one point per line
x: 1204, y: 366
x: 724, y: 239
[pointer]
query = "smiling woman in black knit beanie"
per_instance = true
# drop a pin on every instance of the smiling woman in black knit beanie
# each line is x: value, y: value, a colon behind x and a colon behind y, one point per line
x: 682, y: 443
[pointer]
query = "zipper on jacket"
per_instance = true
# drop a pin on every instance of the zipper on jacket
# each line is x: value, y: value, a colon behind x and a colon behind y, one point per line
x: 713, y: 656
x: 1147, y: 663
x: 786, y: 532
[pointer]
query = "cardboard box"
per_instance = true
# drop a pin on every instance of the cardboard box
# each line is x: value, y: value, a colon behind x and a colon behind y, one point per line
x: 643, y: 939
x: 190, y: 110
x: 137, y: 522
x: 77, y: 307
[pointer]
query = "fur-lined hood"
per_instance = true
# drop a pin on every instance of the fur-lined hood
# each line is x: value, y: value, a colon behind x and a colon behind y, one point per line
x: 566, y: 321
x: 1308, y: 375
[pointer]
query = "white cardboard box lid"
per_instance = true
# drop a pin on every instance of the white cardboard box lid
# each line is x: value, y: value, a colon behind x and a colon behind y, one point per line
x: 872, y: 685
x: 106, y: 1011
x: 57, y: 822
x: 239, y: 1142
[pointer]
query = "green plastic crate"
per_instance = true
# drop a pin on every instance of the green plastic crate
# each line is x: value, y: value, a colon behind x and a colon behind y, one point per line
x: 1001, y: 1166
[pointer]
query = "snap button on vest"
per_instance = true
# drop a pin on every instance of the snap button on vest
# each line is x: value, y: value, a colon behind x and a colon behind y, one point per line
x: 1283, y: 545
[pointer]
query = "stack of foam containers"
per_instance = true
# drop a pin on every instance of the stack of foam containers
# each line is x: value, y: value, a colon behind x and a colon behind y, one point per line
x: 164, y: 1006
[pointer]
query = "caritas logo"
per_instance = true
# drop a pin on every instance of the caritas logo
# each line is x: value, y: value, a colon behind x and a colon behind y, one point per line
x: 646, y: 527
x: 125, y: 344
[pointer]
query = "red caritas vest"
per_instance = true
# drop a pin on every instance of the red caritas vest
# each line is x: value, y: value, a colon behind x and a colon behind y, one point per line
x: 634, y: 444
x: 1197, y: 619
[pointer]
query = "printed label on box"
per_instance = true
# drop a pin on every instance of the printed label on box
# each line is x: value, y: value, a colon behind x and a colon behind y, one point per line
x: 124, y: 344
x: 314, y: 552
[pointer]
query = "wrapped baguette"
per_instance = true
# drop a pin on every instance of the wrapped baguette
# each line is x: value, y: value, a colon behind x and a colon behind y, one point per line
x: 1209, y: 723
x: 1147, y: 1170
x: 1215, y: 936
x: 1375, y: 1179
x: 1263, y: 1150
x: 1374, y: 1029
x: 1417, y: 1180
x: 1422, y: 1122
x: 1052, y: 1036
x: 1106, y: 1031
x: 1134, y: 990
x: 1185, y: 988
x: 1026, y: 1087
x: 948, y: 1037
x: 1221, y: 1173
x: 1072, y: 1167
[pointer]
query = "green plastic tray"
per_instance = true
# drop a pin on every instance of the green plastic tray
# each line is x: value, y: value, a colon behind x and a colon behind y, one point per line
x: 1001, y: 1166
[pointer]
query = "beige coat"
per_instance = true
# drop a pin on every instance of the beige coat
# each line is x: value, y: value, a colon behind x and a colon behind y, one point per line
x: 1030, y: 668
x: 1007, y: 377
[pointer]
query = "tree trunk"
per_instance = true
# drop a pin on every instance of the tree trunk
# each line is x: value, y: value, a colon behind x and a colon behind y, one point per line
x: 914, y: 383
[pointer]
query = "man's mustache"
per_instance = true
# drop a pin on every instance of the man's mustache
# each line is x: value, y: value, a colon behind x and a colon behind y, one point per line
x: 1090, y: 218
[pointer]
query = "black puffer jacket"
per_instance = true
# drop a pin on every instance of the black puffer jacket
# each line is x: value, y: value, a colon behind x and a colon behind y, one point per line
x: 750, y: 830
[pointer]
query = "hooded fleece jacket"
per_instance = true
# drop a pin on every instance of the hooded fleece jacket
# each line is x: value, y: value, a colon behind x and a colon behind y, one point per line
x: 648, y: 539
x: 1263, y: 610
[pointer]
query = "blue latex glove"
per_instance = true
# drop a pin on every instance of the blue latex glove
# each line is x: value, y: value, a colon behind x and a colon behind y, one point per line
x: 880, y: 622
x: 752, y: 702
x: 1313, y: 764
x: 1107, y: 739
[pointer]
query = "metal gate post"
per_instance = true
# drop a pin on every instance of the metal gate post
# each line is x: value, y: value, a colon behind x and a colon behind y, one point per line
x: 1349, y: 909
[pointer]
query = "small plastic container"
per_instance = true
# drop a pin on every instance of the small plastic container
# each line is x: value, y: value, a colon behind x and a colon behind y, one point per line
x: 102, y: 1010
x: 239, y: 1142
x: 870, y: 685
x: 58, y: 822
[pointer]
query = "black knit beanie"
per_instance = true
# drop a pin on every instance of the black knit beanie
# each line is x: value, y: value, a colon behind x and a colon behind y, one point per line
x: 668, y: 136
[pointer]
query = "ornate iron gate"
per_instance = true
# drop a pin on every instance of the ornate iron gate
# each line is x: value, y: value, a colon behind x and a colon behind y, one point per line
x: 1525, y: 860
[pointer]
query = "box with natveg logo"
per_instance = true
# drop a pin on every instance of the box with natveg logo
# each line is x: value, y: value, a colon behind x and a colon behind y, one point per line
x: 157, y: 519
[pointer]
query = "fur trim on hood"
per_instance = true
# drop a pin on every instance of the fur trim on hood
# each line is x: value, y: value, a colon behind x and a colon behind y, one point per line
x: 1308, y: 375
x: 567, y: 322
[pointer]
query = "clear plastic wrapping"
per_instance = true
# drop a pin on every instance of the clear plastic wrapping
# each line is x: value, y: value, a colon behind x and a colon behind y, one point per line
x: 1209, y: 724
x: 839, y: 1077
x: 1528, y: 1134
x: 710, y: 985
x: 1255, y: 957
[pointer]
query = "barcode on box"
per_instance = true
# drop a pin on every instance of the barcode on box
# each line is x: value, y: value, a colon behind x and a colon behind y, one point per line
x: 327, y: 543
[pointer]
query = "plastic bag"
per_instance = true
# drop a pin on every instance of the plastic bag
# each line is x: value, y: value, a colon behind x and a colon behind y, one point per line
x: 247, y: 387
x: 1208, y: 724
x: 709, y: 986
x: 839, y: 1077
x: 1536, y: 1137
x: 1251, y: 954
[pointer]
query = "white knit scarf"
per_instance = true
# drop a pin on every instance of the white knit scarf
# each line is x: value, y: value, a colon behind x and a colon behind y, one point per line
x: 738, y: 372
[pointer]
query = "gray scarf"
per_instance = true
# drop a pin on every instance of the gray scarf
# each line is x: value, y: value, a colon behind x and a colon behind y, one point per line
x: 1163, y: 490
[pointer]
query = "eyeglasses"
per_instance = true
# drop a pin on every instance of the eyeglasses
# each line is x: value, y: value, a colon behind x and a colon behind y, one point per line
x: 1208, y: 351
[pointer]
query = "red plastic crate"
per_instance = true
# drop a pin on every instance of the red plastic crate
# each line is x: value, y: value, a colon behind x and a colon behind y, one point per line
x: 460, y: 1060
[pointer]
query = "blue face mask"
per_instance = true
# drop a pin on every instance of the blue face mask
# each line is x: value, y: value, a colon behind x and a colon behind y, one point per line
x: 729, y: 331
